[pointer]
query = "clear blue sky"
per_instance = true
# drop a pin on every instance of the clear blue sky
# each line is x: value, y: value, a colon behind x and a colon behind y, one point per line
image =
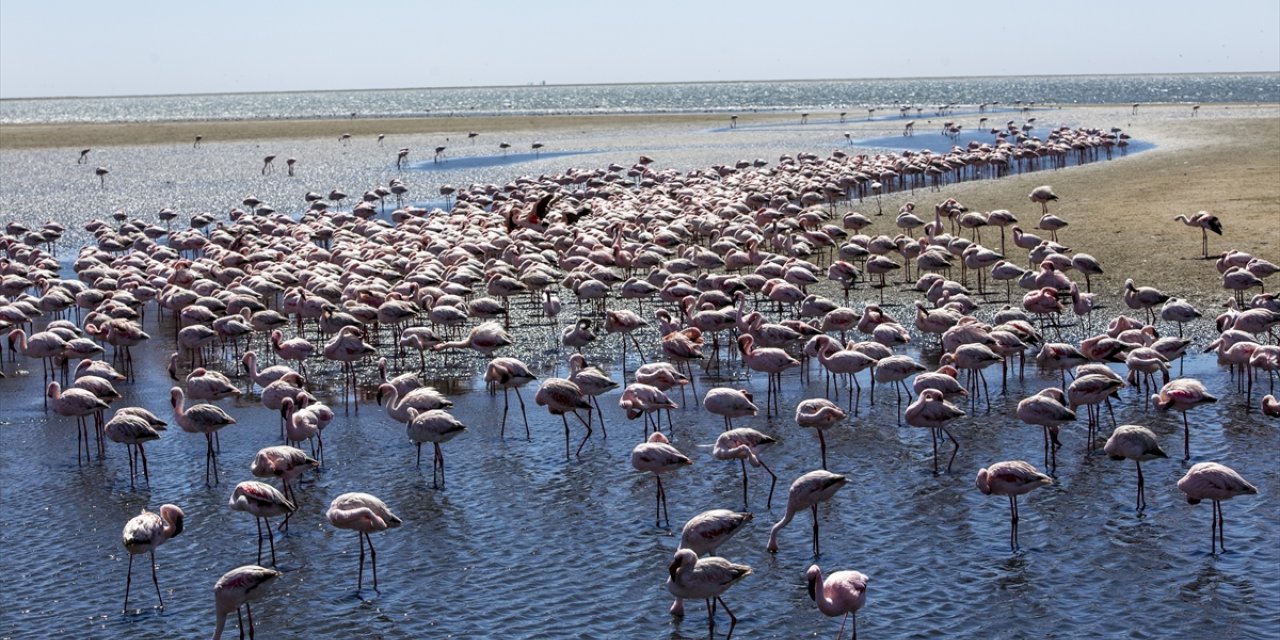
x: 126, y: 47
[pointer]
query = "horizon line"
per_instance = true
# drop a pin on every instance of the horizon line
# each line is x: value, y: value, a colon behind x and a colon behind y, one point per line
x: 543, y: 84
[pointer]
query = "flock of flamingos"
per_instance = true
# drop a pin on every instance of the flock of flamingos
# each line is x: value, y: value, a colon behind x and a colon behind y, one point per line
x: 723, y: 266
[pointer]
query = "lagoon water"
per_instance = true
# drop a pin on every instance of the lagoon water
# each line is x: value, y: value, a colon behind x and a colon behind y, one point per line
x: 522, y: 543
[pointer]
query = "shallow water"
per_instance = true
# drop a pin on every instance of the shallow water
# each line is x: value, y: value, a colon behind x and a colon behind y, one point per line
x: 523, y: 543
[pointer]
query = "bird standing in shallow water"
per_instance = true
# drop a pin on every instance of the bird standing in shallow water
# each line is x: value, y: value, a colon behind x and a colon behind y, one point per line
x: 238, y: 588
x: 806, y: 492
x: 1138, y: 444
x: 365, y: 514
x: 1011, y: 478
x: 143, y: 533
x: 843, y: 592
x: 1216, y: 482
x: 657, y: 455
x: 704, y: 579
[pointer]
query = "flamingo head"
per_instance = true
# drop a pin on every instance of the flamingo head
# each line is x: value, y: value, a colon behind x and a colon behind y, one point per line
x: 813, y: 576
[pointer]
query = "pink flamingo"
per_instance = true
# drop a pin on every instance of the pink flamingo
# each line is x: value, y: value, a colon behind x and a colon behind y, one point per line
x: 284, y: 462
x: 200, y: 418
x: 44, y: 345
x: 1048, y: 409
x: 1136, y: 297
x: 77, y: 403
x: 365, y: 514
x: 1138, y: 444
x: 239, y: 588
x: 562, y: 396
x: 657, y: 455
x: 510, y: 374
x: 705, y: 579
x: 592, y: 381
x: 348, y: 348
x: 820, y: 414
x: 295, y: 349
x: 931, y: 411
x: 895, y: 370
x: 1183, y: 395
x: 1206, y: 222
x: 771, y: 361
x: 843, y: 592
x: 133, y: 431
x: 143, y: 533
x: 642, y: 399
x: 486, y: 339
x: 1011, y: 478
x: 1092, y: 390
x: 806, y: 492
x: 705, y: 532
x: 1216, y: 482
x: 1042, y: 195
x: 729, y: 404
x: 741, y: 444
x: 263, y: 502
x: 1270, y: 406
x: 437, y: 427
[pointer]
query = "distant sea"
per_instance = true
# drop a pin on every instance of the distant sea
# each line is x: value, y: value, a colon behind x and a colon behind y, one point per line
x: 854, y: 96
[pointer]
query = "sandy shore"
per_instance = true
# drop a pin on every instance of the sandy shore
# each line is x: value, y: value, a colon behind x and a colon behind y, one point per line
x: 1226, y: 161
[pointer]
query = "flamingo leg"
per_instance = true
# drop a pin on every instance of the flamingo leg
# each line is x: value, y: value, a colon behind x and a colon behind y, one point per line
x: 953, y: 451
x: 584, y: 438
x: 1186, y: 438
x: 506, y: 400
x: 437, y: 462
x: 128, y: 582
x: 816, y: 547
x: 373, y: 561
x: 744, y: 482
x: 772, y: 483
x: 154, y: 580
x: 822, y: 441
x: 360, y: 572
x: 661, y: 503
x: 523, y: 415
x: 1142, y: 499
x: 1013, y: 523
x: 733, y: 620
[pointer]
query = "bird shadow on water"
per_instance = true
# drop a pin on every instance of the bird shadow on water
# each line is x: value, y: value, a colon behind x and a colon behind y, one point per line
x: 1013, y: 571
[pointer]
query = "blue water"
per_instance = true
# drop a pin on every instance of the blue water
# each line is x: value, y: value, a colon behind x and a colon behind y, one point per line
x: 852, y: 96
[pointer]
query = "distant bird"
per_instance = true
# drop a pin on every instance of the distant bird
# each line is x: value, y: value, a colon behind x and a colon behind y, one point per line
x: 143, y: 533
x: 101, y: 172
x: 365, y: 514
x: 1011, y: 478
x: 266, y: 164
x: 1182, y: 395
x: 843, y: 592
x: 657, y: 455
x: 239, y: 588
x: 1138, y: 444
x: 84, y: 156
x: 1216, y: 482
x: 806, y: 492
x: 1043, y: 195
x: 263, y: 502
x: 1207, y: 222
x: 705, y: 579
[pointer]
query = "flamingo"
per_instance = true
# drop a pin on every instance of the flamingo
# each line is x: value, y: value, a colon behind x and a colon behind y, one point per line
x: 284, y: 462
x: 657, y: 455
x: 895, y: 370
x: 1136, y: 443
x: 365, y: 514
x: 933, y: 412
x: 1183, y: 394
x: 771, y: 361
x: 642, y: 399
x: 436, y: 426
x: 820, y: 414
x: 510, y: 374
x: 806, y: 492
x: 263, y: 502
x: 704, y: 533
x: 705, y: 579
x: 1216, y: 482
x: 77, y: 403
x: 486, y: 339
x: 729, y: 404
x: 1042, y: 195
x: 44, y: 345
x: 843, y: 592
x: 1206, y: 222
x: 348, y: 347
x: 741, y: 444
x: 143, y: 533
x: 592, y: 381
x: 1143, y: 298
x: 1048, y: 409
x: 133, y: 431
x: 263, y: 377
x: 200, y: 418
x: 1091, y: 390
x: 562, y: 396
x: 1011, y: 478
x: 239, y: 588
x: 1270, y: 406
